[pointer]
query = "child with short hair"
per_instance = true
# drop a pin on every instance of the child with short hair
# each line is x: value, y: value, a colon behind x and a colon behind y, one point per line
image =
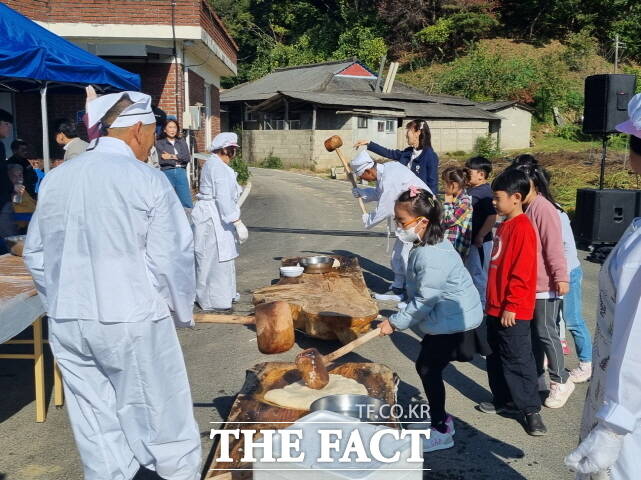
x: 511, y: 292
x: 457, y: 209
x: 483, y: 221
x: 442, y: 302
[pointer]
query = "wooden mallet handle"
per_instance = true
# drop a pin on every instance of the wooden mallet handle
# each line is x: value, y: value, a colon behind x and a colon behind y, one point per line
x: 345, y: 349
x: 221, y: 318
x: 351, y: 177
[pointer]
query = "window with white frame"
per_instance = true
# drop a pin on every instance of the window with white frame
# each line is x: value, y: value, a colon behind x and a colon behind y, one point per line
x: 362, y: 122
x: 389, y: 125
x: 380, y: 127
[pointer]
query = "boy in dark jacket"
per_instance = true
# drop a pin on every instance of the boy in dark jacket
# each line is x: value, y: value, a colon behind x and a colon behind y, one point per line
x: 511, y: 292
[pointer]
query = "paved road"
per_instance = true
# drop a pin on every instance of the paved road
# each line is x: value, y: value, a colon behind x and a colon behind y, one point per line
x: 290, y: 214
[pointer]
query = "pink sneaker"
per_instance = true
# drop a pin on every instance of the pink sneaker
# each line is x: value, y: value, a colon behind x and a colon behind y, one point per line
x: 449, y: 421
x: 566, y: 349
x: 559, y: 394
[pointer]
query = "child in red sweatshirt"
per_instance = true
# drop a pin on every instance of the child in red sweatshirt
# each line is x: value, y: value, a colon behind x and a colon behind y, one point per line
x: 511, y: 292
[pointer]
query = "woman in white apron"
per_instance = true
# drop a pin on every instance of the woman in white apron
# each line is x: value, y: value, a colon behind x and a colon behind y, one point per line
x: 610, y: 445
x: 218, y: 229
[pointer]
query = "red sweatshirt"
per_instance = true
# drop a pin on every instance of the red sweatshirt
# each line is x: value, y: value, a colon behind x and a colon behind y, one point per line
x: 511, y: 282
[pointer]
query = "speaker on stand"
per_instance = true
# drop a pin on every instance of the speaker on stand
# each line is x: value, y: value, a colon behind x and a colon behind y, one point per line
x: 603, y: 215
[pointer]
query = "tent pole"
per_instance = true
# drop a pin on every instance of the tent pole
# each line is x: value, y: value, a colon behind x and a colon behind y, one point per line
x: 45, y: 128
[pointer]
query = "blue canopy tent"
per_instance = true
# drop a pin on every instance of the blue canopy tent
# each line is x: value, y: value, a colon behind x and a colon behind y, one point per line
x: 32, y: 59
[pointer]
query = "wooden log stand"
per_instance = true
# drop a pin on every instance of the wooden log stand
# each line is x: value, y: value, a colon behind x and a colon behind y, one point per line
x: 250, y: 406
x: 329, y: 306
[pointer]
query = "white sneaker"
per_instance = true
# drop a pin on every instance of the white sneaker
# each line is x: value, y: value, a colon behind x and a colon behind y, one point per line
x: 389, y: 296
x: 438, y: 441
x: 236, y: 298
x: 582, y: 373
x: 559, y: 394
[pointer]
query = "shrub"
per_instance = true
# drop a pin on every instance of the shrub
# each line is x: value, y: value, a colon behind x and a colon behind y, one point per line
x: 487, y: 147
x: 272, y: 162
x: 241, y: 168
x: 571, y: 131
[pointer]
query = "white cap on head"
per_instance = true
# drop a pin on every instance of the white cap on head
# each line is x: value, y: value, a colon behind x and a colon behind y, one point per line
x: 224, y: 140
x: 361, y: 162
x: 139, y: 111
x: 632, y: 126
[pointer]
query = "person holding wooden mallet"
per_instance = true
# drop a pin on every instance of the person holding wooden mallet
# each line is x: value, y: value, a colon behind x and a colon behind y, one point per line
x: 391, y: 179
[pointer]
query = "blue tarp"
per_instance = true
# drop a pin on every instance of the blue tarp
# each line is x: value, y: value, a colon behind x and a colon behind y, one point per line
x: 30, y: 52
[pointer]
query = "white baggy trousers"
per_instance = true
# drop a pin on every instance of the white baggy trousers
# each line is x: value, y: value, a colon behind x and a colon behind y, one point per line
x: 215, y: 280
x: 128, y: 398
x: 400, y: 257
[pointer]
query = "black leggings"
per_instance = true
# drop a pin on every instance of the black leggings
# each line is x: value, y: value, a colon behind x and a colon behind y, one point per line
x: 431, y: 372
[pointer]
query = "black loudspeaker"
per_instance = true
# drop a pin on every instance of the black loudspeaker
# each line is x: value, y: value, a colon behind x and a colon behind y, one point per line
x: 603, y: 215
x: 606, y: 102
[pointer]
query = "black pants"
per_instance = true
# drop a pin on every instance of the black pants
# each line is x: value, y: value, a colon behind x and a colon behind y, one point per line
x: 511, y: 368
x: 430, y: 369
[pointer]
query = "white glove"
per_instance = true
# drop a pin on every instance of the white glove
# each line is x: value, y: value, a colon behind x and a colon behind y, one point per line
x: 357, y: 192
x: 597, y: 452
x: 365, y: 218
x: 241, y: 230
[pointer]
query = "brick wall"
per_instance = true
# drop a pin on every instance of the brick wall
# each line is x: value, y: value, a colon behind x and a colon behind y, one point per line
x: 159, y: 81
x: 34, y: 9
x: 216, y: 29
x: 150, y: 12
x: 215, y: 111
x: 146, y: 12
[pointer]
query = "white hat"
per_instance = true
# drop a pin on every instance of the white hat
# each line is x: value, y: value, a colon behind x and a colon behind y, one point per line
x: 361, y: 162
x: 632, y: 126
x: 224, y: 140
x: 139, y: 111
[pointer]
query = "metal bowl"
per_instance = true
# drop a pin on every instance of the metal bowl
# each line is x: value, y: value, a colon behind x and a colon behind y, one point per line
x: 362, y: 407
x: 317, y: 264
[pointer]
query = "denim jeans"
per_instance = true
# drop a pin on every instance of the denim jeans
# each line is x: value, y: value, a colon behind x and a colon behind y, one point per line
x: 178, y: 179
x: 573, y: 317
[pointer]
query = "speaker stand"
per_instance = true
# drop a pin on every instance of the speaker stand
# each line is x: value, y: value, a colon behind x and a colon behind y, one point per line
x: 604, y: 152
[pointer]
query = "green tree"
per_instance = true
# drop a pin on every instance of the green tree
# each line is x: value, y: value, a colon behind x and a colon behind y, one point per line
x: 363, y: 43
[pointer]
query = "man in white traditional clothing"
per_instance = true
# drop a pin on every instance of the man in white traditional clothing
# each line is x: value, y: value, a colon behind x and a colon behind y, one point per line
x: 111, y: 253
x: 610, y: 445
x: 392, y: 179
x: 218, y: 229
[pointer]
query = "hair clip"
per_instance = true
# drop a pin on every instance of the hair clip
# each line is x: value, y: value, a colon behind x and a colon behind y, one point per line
x: 414, y: 191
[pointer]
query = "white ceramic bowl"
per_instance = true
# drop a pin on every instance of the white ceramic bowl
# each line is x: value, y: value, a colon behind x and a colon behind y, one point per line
x: 291, y: 271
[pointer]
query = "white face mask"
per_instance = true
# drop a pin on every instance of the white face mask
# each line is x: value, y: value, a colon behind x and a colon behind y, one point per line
x: 407, y: 236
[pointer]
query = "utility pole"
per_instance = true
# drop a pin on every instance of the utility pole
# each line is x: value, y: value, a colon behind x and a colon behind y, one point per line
x: 617, y: 45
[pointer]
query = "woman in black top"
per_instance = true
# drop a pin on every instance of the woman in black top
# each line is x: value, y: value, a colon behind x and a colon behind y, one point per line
x: 419, y: 156
x: 173, y: 157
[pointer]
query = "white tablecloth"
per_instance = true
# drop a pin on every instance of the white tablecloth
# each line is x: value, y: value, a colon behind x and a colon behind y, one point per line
x: 17, y: 314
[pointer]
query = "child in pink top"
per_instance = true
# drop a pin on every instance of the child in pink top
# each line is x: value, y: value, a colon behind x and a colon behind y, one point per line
x: 551, y: 283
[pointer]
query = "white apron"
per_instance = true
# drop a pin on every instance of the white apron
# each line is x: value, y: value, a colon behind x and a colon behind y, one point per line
x: 215, y: 239
x: 617, y: 352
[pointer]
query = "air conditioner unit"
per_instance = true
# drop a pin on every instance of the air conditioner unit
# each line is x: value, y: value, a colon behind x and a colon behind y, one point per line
x: 194, y: 116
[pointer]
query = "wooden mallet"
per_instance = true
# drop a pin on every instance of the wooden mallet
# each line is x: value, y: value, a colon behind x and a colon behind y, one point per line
x: 334, y: 144
x: 313, y: 366
x: 274, y: 325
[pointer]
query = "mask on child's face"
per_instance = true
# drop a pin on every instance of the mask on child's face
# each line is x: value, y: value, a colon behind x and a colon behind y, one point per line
x: 407, y: 236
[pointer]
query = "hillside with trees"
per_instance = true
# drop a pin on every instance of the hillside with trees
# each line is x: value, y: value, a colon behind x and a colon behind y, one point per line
x: 535, y: 51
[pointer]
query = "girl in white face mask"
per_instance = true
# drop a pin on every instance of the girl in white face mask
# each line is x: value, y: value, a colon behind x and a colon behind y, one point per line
x: 442, y: 302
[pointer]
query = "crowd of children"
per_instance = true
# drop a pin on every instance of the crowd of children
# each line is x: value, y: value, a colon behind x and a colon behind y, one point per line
x: 526, y: 272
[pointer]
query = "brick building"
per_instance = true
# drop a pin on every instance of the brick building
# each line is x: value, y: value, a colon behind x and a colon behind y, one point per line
x: 180, y: 49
